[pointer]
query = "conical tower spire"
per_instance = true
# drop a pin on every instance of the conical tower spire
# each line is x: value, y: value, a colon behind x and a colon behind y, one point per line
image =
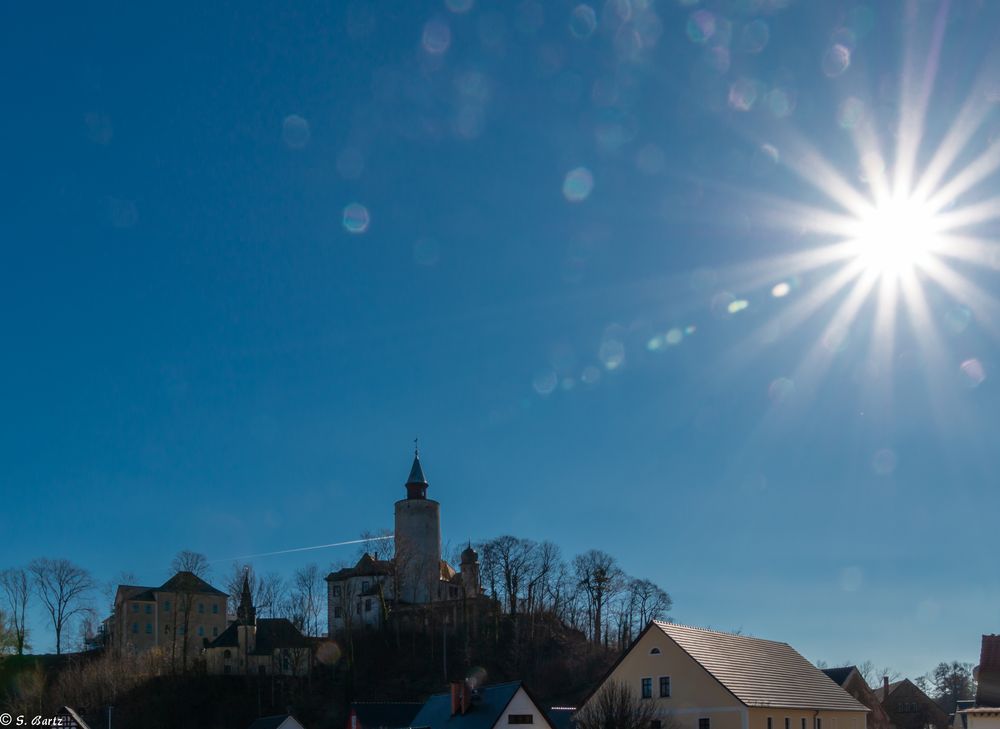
x: 416, y: 484
x: 246, y: 613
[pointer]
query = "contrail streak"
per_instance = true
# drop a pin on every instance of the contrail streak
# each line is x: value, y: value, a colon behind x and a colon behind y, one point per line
x: 301, y: 549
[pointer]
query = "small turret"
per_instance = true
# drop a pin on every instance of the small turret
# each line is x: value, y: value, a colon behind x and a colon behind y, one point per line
x: 416, y: 484
x: 245, y: 612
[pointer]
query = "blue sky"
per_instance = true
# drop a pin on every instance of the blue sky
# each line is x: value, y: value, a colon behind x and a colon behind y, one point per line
x: 562, y: 277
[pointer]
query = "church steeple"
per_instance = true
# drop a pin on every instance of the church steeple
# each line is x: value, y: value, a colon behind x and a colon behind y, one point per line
x: 416, y: 484
x: 246, y: 613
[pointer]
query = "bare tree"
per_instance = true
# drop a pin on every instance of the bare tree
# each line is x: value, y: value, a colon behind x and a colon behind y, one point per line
x: 307, y: 598
x: 615, y: 706
x: 600, y: 578
x: 189, y: 569
x: 63, y: 588
x: 17, y: 592
x: 188, y: 561
x: 266, y: 591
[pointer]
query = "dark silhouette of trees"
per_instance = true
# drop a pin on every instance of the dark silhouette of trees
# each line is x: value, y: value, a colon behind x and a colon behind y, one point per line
x: 16, y: 587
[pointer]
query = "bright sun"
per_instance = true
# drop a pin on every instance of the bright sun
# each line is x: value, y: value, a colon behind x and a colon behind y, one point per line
x: 895, y: 236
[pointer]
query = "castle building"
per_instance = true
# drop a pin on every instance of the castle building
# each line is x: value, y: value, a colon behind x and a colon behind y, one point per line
x: 258, y: 646
x: 416, y: 575
x: 184, y: 609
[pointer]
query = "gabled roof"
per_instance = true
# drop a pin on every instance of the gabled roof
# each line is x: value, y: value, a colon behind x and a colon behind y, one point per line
x: 272, y: 634
x: 385, y: 714
x: 761, y: 672
x: 880, y: 692
x: 488, y: 705
x: 367, y: 566
x: 279, y: 721
x: 189, y: 582
x: 839, y: 675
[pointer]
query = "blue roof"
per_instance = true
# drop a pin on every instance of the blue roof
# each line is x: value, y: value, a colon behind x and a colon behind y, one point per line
x: 487, y: 708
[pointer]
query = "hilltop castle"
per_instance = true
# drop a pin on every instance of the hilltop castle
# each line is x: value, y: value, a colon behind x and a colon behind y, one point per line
x: 416, y: 576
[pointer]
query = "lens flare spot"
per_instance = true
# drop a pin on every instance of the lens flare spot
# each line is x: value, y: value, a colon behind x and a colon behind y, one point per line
x: 436, y: 37
x: 591, y: 375
x: 737, y: 306
x: 612, y: 354
x: 545, y: 383
x: 674, y: 337
x: 578, y: 184
x: 743, y: 94
x: 700, y: 26
x: 295, y: 131
x: 754, y: 37
x: 851, y: 113
x: 356, y: 218
x: 781, y: 389
x: 582, y: 22
x: 973, y: 372
x: 884, y: 461
x: 781, y: 290
x: 836, y: 60
x: 957, y: 319
x: 459, y: 7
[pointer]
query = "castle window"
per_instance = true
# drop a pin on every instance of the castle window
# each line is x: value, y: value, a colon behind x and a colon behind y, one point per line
x: 647, y: 688
x: 166, y: 606
x: 135, y: 627
x: 338, y: 613
x: 788, y: 723
x: 770, y: 723
x: 365, y: 585
x: 368, y: 605
x: 520, y: 719
x: 665, y: 688
x: 135, y: 607
x: 201, y: 630
x: 227, y: 654
x: 149, y: 628
x: 149, y: 610
x: 336, y: 590
x: 215, y: 609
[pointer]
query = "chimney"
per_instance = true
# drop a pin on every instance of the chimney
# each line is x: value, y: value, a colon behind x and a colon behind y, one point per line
x: 466, y: 696
x: 456, y: 697
x: 885, y: 688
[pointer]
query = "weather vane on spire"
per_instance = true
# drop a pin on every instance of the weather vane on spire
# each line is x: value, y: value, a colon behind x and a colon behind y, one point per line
x: 416, y: 446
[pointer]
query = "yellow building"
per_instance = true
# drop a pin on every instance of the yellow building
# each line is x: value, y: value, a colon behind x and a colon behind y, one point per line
x: 704, y: 679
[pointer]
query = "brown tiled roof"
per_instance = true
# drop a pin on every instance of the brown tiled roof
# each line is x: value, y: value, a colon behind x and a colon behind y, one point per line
x: 880, y: 693
x: 761, y: 672
x: 367, y: 566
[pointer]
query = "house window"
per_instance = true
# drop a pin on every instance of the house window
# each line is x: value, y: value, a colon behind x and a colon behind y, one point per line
x: 365, y: 585
x: 770, y: 723
x: 149, y: 610
x: 647, y: 688
x: 819, y: 723
x: 215, y: 609
x: 520, y: 719
x: 149, y: 628
x: 135, y: 627
x: 338, y: 613
x: 215, y: 631
x: 201, y: 630
x: 201, y: 607
x: 368, y: 605
x: 665, y: 688
x: 135, y: 607
x: 180, y: 629
x: 227, y: 654
x: 166, y: 606
x: 336, y: 590
x: 359, y: 608
x: 803, y: 723
x: 285, y: 662
x: 704, y: 723
x: 654, y: 652
x: 788, y: 723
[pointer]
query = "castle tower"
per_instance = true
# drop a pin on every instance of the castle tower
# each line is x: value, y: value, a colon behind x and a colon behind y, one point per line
x: 418, y: 540
x: 469, y: 571
x: 246, y: 617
